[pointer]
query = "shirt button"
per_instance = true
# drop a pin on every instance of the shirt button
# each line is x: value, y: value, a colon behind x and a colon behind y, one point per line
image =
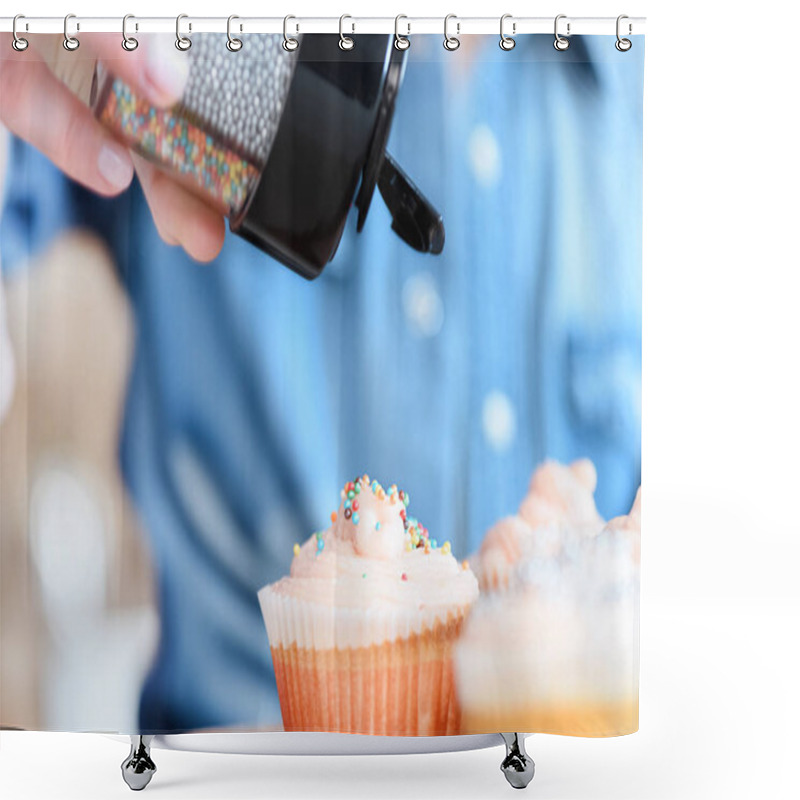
x: 422, y: 304
x: 484, y: 156
x: 499, y: 421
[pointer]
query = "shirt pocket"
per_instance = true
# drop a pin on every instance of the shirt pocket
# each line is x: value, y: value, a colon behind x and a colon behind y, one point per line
x: 604, y: 375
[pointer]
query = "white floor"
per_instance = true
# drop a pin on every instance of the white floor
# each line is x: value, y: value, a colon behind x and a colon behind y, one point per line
x: 719, y: 707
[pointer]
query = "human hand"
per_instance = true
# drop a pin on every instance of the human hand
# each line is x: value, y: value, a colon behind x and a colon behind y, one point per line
x: 39, y: 108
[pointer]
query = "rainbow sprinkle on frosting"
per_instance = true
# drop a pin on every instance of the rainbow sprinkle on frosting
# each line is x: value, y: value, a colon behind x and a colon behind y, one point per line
x: 417, y: 535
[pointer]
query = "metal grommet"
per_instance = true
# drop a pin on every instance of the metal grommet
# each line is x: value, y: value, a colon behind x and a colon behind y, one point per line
x: 182, y: 42
x: 233, y: 44
x: 506, y: 42
x: 70, y: 43
x: 289, y: 43
x: 128, y: 42
x: 561, y: 43
x: 623, y: 45
x: 345, y: 42
x: 401, y: 42
x: 18, y: 43
x: 451, y: 43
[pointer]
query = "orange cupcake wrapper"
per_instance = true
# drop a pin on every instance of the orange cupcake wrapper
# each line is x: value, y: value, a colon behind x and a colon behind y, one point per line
x: 400, y: 688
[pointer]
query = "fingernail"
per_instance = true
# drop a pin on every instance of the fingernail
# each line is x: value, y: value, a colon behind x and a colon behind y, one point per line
x: 165, y: 74
x: 115, y: 166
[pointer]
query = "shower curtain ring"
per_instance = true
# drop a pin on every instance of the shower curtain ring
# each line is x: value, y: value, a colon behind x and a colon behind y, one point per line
x: 623, y: 45
x: 289, y: 43
x: 70, y: 42
x: 401, y: 42
x: 507, y: 42
x: 182, y: 42
x: 561, y: 43
x: 233, y: 44
x: 346, y: 42
x: 18, y: 43
x: 451, y: 43
x: 128, y: 42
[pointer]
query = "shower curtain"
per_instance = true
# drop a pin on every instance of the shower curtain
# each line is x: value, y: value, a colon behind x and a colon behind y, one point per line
x: 401, y: 498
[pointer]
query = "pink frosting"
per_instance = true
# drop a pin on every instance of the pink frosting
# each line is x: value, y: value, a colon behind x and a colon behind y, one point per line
x: 559, y: 504
x: 381, y: 561
x: 559, y: 494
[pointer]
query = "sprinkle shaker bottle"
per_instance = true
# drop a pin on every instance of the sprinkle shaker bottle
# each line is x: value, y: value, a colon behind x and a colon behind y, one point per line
x: 280, y: 142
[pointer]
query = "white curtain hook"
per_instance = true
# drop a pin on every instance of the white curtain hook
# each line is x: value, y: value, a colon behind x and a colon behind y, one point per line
x: 17, y: 42
x: 507, y: 42
x: 289, y: 43
x: 561, y: 43
x: 345, y: 42
x: 182, y: 42
x: 451, y: 43
x: 623, y: 45
x: 70, y: 43
x: 128, y: 42
x: 401, y: 42
x: 233, y: 44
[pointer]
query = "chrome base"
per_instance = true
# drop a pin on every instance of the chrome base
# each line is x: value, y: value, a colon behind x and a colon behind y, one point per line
x: 517, y: 766
x: 138, y: 768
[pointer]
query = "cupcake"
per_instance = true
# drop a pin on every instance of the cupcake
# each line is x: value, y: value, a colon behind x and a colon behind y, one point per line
x: 559, y: 503
x: 556, y: 649
x: 362, y: 629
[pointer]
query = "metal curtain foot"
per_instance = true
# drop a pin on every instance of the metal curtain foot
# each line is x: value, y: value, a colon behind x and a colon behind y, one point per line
x: 517, y: 766
x: 138, y: 768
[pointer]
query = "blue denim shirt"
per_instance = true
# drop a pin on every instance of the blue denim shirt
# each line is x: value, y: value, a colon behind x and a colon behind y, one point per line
x: 255, y: 395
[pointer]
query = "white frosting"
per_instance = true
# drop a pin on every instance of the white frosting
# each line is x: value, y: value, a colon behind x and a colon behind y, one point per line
x: 566, y: 628
x: 368, y: 582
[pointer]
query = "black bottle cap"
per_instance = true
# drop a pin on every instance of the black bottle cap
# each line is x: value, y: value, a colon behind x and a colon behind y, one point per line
x: 332, y: 135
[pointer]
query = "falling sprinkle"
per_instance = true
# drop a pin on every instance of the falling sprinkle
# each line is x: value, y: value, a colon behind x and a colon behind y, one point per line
x: 333, y: 517
x: 446, y: 548
x: 355, y: 518
x: 404, y: 577
x: 297, y: 549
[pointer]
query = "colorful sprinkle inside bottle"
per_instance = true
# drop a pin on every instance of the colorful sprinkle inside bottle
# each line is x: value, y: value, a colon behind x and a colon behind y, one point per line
x: 404, y: 577
x: 377, y: 526
x: 168, y: 138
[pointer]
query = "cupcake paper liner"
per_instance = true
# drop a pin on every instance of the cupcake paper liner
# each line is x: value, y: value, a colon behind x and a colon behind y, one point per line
x: 402, y: 684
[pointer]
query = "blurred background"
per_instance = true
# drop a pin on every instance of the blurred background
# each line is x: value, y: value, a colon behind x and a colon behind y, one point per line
x: 62, y: 501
